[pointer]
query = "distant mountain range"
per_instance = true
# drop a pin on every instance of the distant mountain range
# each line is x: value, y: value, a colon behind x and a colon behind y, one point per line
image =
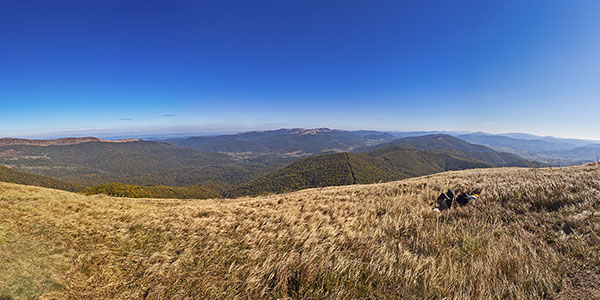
x: 294, y: 142
x: 274, y: 161
x: 137, y: 162
x: 401, y: 158
x: 304, y: 142
x: 555, y: 150
x: 457, y: 147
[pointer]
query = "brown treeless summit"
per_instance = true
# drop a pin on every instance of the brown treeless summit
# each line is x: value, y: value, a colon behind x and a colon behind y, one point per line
x: 54, y: 142
x: 313, y: 131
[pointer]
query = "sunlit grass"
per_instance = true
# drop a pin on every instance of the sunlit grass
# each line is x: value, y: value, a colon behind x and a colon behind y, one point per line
x: 531, y: 229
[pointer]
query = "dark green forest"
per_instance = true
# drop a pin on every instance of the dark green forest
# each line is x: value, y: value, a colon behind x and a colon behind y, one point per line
x: 161, y: 170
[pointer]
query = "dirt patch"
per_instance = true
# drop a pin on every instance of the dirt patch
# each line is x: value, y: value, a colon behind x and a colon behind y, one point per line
x: 9, y: 153
x: 584, y: 284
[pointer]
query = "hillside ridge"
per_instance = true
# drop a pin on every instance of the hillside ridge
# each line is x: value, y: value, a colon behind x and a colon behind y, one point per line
x: 61, y: 141
x: 531, y: 235
x: 14, y: 176
x: 402, y: 158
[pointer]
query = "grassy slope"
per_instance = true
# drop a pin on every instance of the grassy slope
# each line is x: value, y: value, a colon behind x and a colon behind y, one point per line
x: 534, y: 234
x: 158, y: 191
x: 14, y: 176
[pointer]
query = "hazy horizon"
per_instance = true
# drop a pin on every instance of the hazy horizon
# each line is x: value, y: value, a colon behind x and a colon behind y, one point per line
x: 187, y: 132
x: 113, y: 68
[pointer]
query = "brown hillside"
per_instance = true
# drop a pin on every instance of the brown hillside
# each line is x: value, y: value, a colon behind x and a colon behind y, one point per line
x: 55, y: 142
x: 534, y: 234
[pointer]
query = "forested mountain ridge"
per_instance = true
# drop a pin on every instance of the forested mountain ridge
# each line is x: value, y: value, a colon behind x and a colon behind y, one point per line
x: 156, y: 169
x: 387, y: 162
x: 102, y: 162
x: 320, y: 171
x: 284, y: 141
x: 443, y: 143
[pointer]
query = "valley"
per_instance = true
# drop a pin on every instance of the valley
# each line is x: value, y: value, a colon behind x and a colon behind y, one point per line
x: 250, y: 163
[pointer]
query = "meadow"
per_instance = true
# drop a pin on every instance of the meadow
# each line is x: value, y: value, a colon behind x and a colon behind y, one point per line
x: 533, y: 234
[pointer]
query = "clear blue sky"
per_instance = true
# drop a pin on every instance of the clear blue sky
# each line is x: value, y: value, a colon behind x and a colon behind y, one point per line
x: 130, y: 67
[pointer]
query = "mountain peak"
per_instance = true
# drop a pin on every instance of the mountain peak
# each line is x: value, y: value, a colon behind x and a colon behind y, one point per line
x: 313, y: 131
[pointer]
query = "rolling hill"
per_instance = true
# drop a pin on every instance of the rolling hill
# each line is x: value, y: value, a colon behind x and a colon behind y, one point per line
x: 112, y: 189
x: 540, y: 148
x: 136, y: 162
x: 402, y: 158
x: 567, y: 151
x: 413, y: 162
x: 587, y: 153
x: 137, y: 157
x: 525, y: 136
x: 533, y: 234
x: 320, y: 171
x: 156, y: 169
x: 296, y: 141
x: 514, y: 145
x: 442, y: 143
x: 14, y: 176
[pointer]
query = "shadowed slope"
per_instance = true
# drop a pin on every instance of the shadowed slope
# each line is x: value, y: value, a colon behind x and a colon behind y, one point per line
x: 14, y: 176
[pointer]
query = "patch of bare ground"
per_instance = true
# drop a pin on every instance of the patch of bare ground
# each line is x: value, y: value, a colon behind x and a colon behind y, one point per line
x: 585, y: 284
x: 533, y: 234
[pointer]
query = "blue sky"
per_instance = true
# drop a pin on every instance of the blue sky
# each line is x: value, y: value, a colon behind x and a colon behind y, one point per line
x: 134, y: 67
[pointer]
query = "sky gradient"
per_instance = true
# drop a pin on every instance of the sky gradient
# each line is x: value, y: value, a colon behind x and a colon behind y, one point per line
x: 135, y: 67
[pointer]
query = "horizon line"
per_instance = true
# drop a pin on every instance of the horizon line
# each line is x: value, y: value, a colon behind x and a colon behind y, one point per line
x: 154, y: 134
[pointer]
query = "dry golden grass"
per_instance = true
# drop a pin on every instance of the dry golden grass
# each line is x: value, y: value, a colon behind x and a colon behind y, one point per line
x: 534, y: 234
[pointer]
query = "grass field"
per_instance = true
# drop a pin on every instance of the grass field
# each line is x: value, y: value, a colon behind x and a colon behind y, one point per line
x: 533, y: 234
